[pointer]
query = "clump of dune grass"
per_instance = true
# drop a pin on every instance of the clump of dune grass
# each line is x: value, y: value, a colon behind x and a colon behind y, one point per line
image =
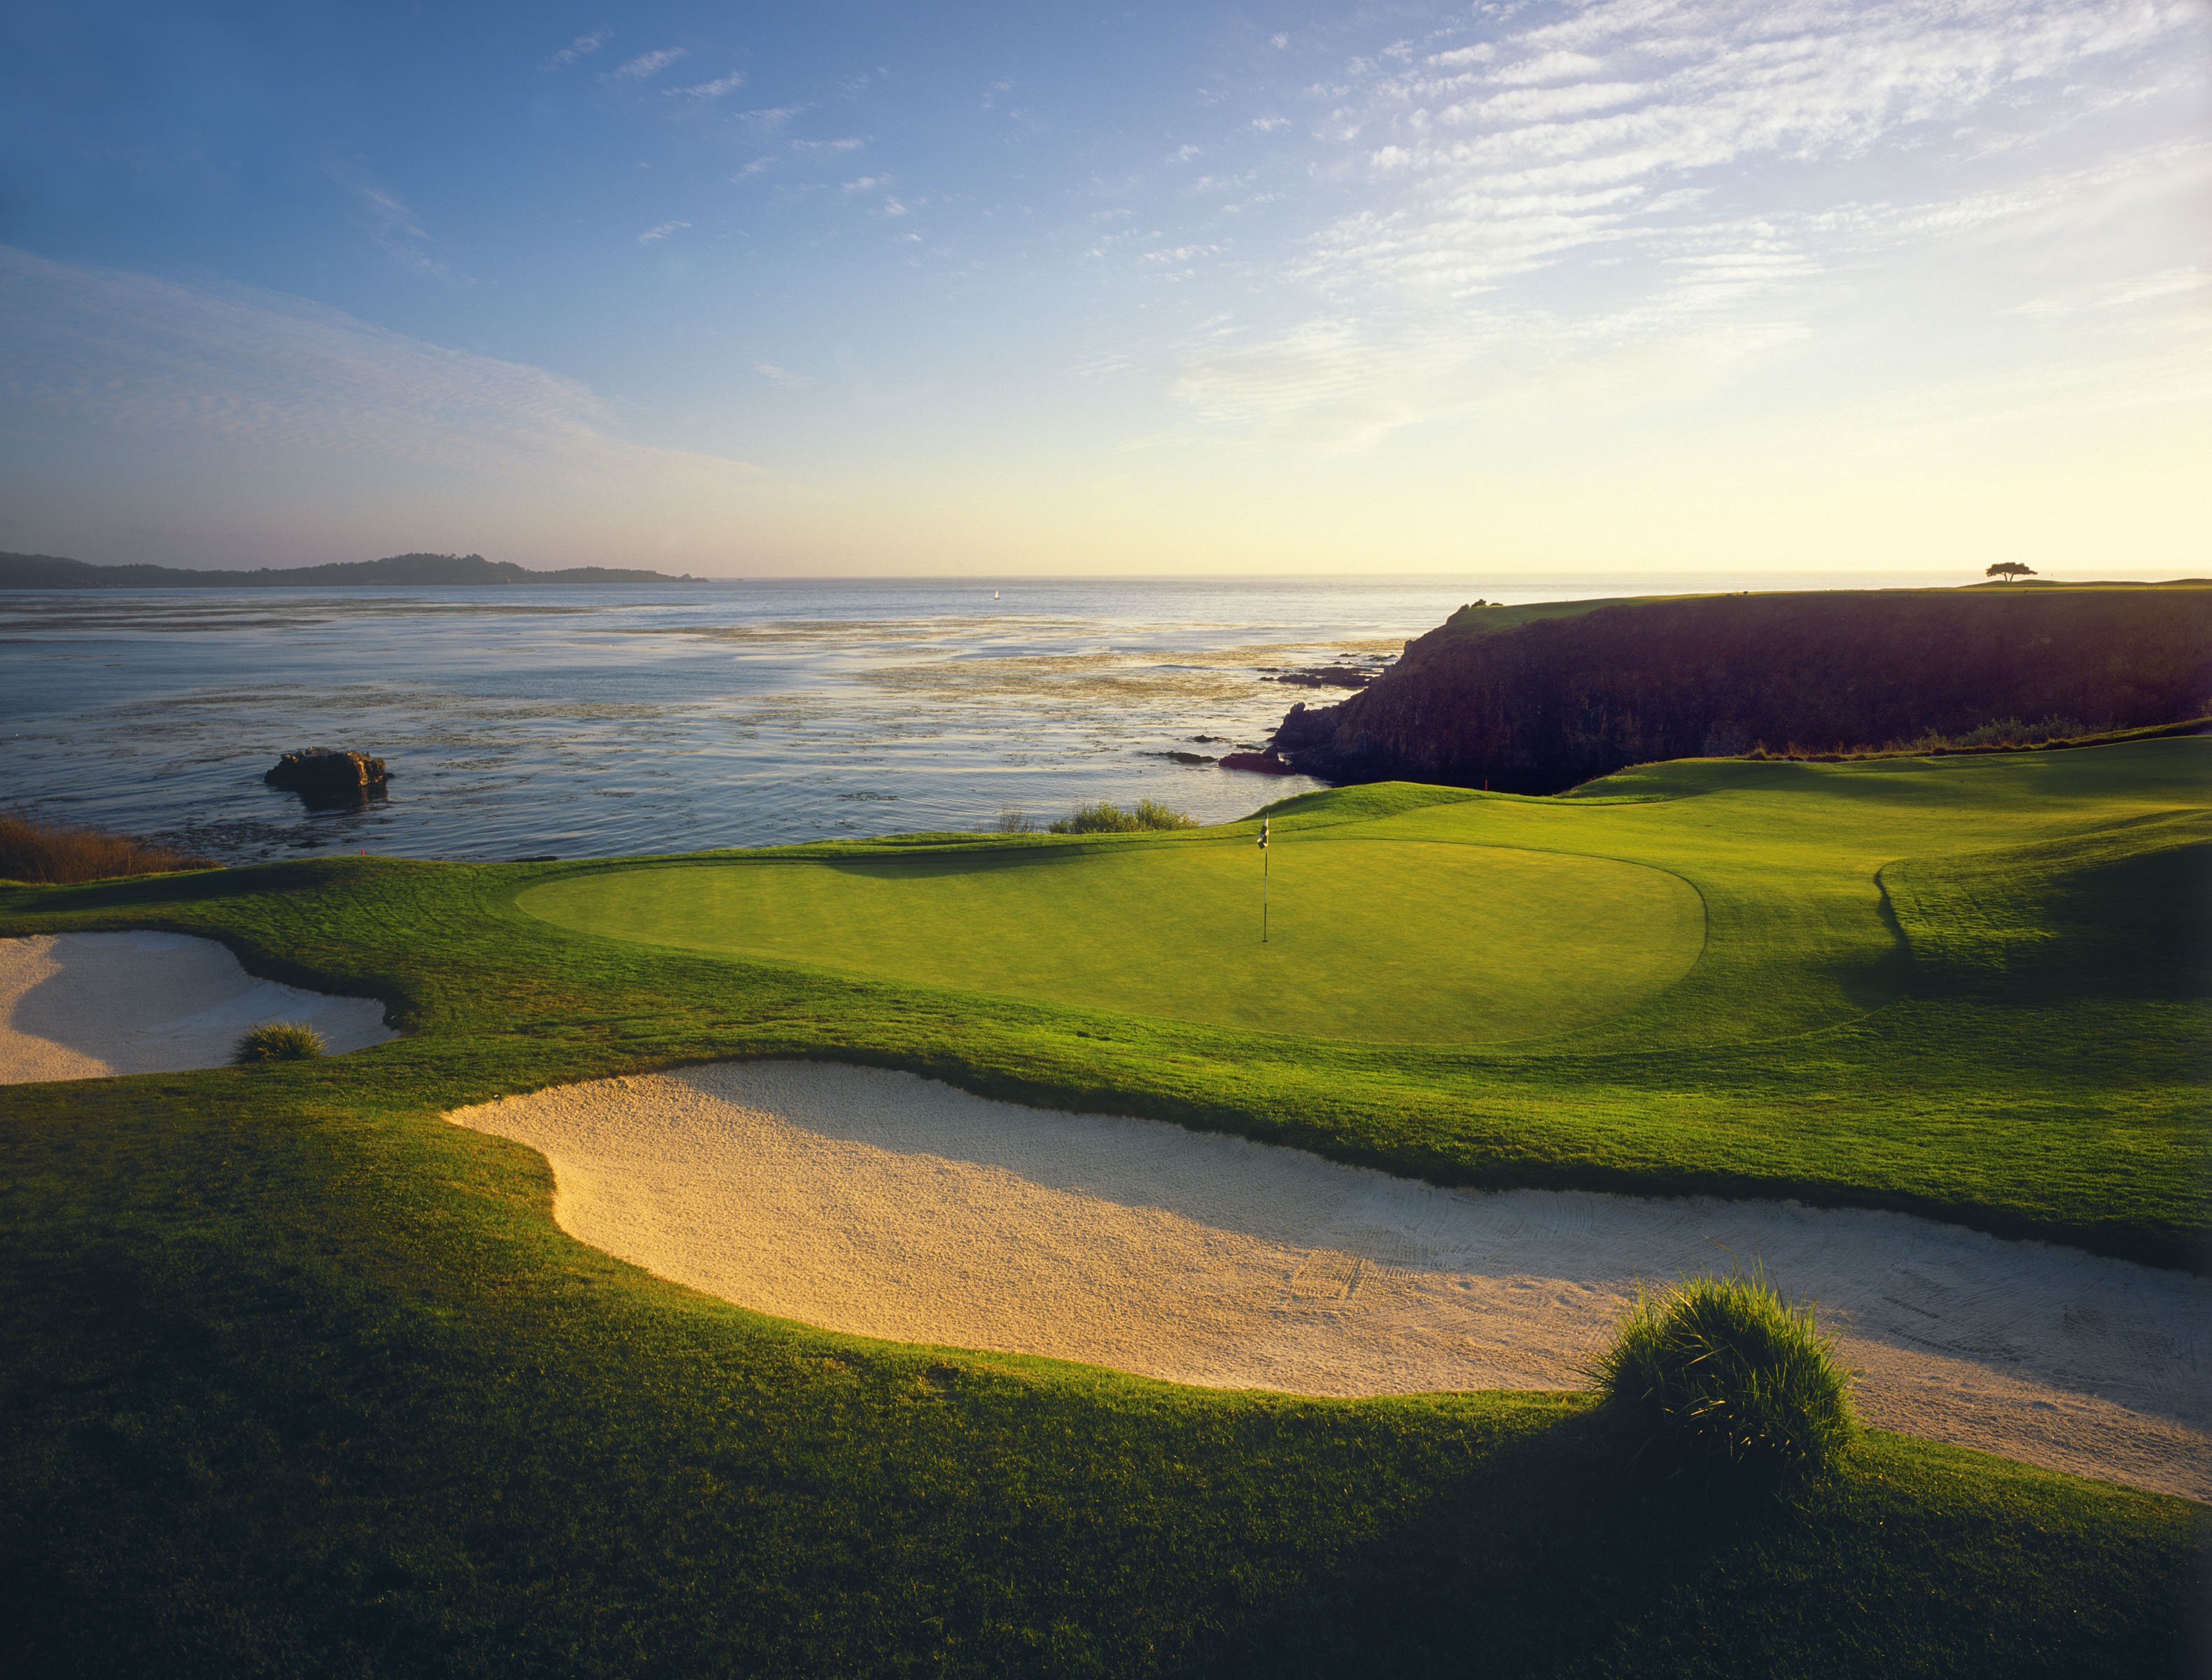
x: 1105, y: 818
x: 1722, y: 1377
x: 56, y: 854
x: 1015, y: 820
x: 278, y: 1041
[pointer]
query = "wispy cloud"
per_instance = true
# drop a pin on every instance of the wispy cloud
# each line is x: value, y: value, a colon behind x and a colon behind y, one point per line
x: 655, y: 235
x: 715, y: 89
x: 266, y: 375
x: 1513, y: 151
x: 1633, y: 195
x: 582, y: 47
x: 783, y: 376
x: 824, y: 149
x: 399, y: 235
x: 770, y: 119
x: 647, y: 65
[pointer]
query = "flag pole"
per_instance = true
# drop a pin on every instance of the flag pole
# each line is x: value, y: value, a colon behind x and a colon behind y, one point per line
x: 1264, y: 861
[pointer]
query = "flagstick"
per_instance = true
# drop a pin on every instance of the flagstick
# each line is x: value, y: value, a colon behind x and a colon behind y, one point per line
x: 1264, y: 861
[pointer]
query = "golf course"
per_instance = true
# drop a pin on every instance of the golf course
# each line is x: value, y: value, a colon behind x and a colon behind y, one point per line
x: 309, y: 1379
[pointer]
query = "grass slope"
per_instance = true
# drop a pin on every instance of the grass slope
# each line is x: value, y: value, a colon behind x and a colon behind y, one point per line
x: 294, y: 1378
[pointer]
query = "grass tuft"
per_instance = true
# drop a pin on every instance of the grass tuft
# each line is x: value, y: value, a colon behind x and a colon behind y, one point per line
x: 278, y: 1041
x: 1722, y: 1376
x: 59, y: 854
x: 1106, y: 818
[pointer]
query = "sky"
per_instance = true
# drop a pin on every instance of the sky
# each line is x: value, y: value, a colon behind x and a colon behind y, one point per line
x: 1619, y: 287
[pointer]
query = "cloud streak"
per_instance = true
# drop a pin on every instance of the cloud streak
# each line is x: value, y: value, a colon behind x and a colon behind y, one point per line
x: 582, y: 47
x: 1629, y: 201
x: 715, y: 89
x: 646, y: 65
x: 259, y: 375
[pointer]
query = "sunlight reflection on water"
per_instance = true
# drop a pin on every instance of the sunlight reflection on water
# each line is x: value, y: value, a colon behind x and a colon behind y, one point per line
x: 601, y: 723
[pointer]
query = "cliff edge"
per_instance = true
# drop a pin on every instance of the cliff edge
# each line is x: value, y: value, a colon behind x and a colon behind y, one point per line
x: 1535, y: 699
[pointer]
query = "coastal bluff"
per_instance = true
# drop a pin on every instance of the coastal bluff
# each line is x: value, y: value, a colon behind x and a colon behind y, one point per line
x: 1538, y: 698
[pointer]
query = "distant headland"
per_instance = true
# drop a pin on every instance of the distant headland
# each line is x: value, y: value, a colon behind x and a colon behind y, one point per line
x: 48, y: 571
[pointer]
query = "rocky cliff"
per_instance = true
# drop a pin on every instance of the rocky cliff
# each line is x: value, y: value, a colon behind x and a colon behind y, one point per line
x: 1535, y: 699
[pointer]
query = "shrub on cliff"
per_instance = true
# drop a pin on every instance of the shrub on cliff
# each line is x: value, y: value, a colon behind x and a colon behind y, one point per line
x: 1105, y: 818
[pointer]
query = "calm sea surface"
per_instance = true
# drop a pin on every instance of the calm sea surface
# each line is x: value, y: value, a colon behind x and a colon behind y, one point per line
x: 602, y: 722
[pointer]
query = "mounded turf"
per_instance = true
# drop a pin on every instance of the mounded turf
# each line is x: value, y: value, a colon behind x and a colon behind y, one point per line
x: 294, y: 1378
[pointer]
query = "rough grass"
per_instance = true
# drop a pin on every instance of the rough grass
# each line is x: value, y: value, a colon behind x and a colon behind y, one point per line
x: 276, y: 1041
x: 1720, y: 1376
x: 54, y: 853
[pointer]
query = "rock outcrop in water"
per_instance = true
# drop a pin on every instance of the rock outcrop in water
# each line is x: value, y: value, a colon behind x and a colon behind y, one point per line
x: 323, y: 775
x: 1535, y: 699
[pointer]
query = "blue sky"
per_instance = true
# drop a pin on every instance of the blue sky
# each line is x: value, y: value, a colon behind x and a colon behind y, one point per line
x: 1632, y: 284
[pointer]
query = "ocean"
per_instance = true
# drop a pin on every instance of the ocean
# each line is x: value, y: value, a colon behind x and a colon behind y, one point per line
x: 598, y: 723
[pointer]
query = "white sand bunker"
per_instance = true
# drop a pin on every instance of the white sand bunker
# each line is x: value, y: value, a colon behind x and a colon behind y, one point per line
x: 79, y: 1005
x: 886, y: 1205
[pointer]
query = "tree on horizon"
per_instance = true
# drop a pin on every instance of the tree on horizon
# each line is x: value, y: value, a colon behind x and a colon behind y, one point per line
x: 2010, y: 570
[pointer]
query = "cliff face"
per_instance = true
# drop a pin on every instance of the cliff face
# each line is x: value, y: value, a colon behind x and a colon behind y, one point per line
x: 1537, y: 699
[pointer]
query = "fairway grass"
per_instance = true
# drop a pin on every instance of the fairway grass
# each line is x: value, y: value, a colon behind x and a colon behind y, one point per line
x: 295, y: 1377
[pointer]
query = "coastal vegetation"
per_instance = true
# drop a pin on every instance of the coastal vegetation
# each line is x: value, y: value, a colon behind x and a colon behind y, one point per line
x: 56, y: 853
x: 296, y: 1377
x: 1539, y: 697
x: 1107, y: 817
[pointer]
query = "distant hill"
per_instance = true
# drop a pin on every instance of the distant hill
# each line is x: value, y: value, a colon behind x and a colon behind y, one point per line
x: 1538, y: 698
x: 48, y: 571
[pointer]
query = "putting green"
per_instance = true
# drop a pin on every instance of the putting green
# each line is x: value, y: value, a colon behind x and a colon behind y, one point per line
x: 1404, y: 941
x: 1693, y: 903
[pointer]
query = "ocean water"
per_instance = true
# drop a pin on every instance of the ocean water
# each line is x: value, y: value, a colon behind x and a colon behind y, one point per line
x: 581, y: 723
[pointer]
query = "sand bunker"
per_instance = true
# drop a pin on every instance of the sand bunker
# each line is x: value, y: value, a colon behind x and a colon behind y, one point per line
x: 79, y: 1005
x: 886, y: 1205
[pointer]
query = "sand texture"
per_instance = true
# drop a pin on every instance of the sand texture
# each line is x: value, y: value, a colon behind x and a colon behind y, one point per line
x: 79, y: 1005
x: 884, y: 1205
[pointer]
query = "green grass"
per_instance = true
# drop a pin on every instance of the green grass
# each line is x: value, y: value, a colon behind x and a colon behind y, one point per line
x: 294, y: 1378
